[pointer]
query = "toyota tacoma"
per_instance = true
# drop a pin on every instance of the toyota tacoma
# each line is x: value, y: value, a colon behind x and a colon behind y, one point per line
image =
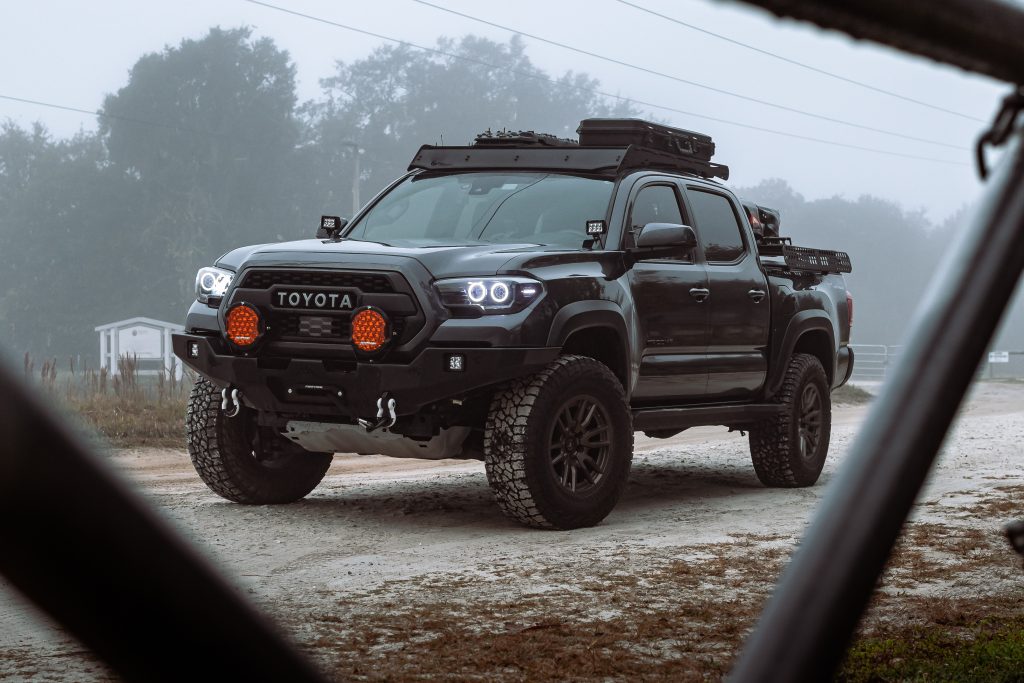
x: 530, y: 302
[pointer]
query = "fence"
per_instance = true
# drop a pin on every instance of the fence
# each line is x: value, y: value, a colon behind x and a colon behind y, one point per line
x: 873, y: 362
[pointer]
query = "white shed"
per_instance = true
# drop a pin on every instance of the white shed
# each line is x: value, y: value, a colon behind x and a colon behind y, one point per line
x: 146, y: 339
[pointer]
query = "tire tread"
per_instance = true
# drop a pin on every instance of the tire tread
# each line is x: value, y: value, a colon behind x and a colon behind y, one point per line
x: 217, y: 448
x: 771, y: 447
x: 506, y: 435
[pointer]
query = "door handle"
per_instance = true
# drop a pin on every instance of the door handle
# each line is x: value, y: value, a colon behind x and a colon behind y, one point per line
x: 701, y: 294
x: 756, y: 295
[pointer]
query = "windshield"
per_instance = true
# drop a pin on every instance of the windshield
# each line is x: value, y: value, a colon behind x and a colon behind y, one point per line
x: 509, y: 208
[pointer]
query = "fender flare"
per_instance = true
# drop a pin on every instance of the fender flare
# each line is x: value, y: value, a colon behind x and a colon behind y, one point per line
x: 581, y: 315
x: 799, y: 325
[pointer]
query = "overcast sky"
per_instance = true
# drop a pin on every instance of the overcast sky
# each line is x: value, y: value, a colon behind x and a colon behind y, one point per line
x: 71, y: 52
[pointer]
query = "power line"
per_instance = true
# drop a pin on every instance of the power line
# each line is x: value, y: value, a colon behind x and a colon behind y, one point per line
x: 102, y: 115
x: 704, y: 86
x: 602, y: 93
x: 802, y: 65
x: 168, y: 126
x: 797, y: 136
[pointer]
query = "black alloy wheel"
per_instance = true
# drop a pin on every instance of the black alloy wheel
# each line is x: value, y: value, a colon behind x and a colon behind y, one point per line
x: 809, y: 422
x: 789, y: 449
x: 580, y: 443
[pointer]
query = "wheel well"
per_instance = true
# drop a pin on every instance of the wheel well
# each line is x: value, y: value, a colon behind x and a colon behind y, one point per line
x: 818, y: 344
x: 603, y: 345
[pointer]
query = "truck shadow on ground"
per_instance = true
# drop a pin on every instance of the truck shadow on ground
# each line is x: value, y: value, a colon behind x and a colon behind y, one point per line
x: 465, y: 500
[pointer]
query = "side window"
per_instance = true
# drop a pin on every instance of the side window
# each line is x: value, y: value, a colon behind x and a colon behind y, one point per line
x: 660, y: 204
x: 717, y: 226
x: 656, y: 204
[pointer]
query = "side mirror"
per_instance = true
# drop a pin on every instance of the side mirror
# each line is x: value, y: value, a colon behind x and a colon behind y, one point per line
x: 666, y: 235
x: 330, y: 227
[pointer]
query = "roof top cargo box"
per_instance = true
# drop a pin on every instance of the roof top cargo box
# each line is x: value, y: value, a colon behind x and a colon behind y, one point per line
x: 623, y: 132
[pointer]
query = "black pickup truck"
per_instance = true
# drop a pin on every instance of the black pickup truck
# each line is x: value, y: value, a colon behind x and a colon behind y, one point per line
x: 528, y: 301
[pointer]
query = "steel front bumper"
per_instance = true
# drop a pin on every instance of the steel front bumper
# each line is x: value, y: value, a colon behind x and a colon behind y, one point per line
x: 350, y: 390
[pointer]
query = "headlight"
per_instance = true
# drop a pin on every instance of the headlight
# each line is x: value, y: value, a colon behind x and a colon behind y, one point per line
x: 212, y: 283
x: 489, y: 295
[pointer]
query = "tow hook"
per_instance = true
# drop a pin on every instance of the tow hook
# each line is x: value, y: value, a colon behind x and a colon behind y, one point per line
x: 230, y: 402
x: 386, y: 416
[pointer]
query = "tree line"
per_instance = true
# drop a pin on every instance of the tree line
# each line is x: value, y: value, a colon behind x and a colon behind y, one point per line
x: 207, y: 147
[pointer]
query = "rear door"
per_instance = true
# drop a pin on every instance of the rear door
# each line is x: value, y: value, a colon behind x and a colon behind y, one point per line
x: 738, y: 308
x: 670, y: 310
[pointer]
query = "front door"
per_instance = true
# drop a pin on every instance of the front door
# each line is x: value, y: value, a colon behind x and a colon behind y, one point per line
x: 670, y: 308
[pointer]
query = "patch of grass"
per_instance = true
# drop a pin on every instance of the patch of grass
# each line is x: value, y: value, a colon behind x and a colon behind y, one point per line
x: 126, y: 409
x: 673, y: 613
x: 851, y: 395
x: 134, y: 422
x: 962, y: 647
x: 652, y: 615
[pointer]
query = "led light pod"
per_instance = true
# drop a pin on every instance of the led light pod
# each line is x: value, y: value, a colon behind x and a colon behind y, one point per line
x: 243, y: 325
x: 371, y: 330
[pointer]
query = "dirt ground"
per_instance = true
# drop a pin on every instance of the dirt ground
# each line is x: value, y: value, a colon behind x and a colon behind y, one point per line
x: 402, y: 569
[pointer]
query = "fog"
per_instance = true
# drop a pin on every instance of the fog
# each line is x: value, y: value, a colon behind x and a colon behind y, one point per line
x: 108, y: 217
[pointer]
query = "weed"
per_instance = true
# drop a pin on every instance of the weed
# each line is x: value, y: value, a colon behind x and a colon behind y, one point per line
x: 128, y: 409
x: 851, y: 395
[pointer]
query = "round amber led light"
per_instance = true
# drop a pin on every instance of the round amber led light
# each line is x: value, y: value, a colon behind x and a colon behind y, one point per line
x: 369, y: 330
x: 242, y: 325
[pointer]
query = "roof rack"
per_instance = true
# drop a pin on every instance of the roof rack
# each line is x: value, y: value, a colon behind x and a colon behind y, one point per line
x: 805, y: 258
x: 609, y: 147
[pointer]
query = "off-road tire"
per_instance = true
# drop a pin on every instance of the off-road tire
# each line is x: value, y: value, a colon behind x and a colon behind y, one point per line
x: 775, y: 444
x: 239, y: 467
x: 522, y: 420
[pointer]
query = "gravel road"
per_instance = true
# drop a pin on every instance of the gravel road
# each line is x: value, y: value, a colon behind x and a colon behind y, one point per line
x: 395, y: 568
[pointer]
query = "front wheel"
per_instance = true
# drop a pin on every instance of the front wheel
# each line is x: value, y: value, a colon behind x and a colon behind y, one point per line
x: 242, y: 462
x: 558, y: 445
x: 789, y: 450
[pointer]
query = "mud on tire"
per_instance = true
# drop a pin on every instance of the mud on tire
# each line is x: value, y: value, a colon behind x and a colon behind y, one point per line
x: 241, y: 462
x: 558, y: 445
x: 789, y: 450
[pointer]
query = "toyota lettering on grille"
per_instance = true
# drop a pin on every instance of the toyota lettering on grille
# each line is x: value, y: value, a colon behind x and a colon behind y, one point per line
x: 315, y: 300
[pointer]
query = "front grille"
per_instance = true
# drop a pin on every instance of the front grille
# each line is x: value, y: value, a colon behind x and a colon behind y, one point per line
x: 338, y: 329
x: 330, y: 328
x: 370, y: 283
x: 312, y: 327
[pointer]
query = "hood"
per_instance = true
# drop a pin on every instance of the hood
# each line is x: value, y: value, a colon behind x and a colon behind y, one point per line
x: 441, y: 260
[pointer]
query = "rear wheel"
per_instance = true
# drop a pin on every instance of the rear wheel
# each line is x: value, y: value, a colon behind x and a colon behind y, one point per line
x: 242, y: 462
x: 789, y: 450
x: 558, y: 445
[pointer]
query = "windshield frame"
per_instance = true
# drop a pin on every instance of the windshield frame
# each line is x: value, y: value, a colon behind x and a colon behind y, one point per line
x: 599, y: 244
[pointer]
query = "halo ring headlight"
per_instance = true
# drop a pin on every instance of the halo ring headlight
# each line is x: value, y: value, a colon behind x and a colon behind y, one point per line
x: 212, y: 283
x: 477, y: 292
x: 500, y: 292
x: 482, y: 295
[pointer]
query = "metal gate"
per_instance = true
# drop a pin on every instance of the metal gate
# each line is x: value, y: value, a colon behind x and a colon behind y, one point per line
x: 871, y: 362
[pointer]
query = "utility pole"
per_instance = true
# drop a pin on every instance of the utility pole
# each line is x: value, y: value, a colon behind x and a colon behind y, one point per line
x: 355, y: 173
x: 355, y: 180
